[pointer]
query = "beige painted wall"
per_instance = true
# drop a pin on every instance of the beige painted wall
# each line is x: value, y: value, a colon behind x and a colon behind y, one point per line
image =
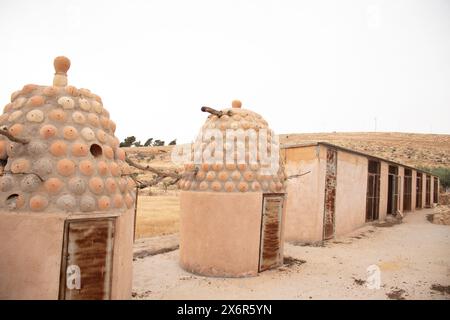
x: 220, y: 233
x: 304, y: 219
x: 384, y: 170
x: 305, y: 199
x: 30, y: 255
x: 305, y: 205
x: 351, y: 192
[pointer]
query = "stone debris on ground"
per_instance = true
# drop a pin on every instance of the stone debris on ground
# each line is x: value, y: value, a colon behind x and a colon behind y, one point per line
x: 444, y: 198
x: 145, y: 247
x: 440, y: 288
x: 396, y: 294
x: 441, y: 215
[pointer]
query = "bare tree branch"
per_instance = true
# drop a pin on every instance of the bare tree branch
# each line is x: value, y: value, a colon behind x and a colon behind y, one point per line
x: 12, y: 138
x: 163, y: 174
x: 298, y: 175
x: 33, y: 173
x: 216, y: 112
x: 144, y: 184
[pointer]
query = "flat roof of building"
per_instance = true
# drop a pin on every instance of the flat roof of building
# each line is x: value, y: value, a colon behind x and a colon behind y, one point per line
x: 312, y: 144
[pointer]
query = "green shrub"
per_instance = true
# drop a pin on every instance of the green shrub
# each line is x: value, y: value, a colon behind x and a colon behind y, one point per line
x: 442, y: 172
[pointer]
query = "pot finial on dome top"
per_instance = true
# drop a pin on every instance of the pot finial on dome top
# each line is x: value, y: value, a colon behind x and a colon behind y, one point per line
x: 236, y: 104
x: 62, y: 65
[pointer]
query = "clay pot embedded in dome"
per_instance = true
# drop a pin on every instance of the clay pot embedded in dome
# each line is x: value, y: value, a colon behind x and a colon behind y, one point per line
x: 242, y: 153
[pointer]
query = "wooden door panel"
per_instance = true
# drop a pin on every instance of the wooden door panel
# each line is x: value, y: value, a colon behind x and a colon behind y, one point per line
x: 270, y: 250
x: 86, y: 268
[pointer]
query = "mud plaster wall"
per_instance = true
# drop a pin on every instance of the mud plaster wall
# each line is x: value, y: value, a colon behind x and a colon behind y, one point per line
x: 303, y: 219
x: 220, y: 233
x: 30, y: 255
x: 351, y: 192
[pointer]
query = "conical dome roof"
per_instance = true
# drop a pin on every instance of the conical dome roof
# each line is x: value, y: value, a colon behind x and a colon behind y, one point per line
x: 59, y: 152
x: 239, y: 166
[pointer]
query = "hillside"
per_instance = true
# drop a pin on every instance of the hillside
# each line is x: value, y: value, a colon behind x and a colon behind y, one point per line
x: 414, y: 149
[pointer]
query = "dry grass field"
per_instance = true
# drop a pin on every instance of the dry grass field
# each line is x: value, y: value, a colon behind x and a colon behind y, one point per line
x: 157, y: 215
x: 158, y: 209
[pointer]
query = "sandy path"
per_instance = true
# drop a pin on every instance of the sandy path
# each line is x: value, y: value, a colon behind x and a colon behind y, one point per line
x: 412, y: 256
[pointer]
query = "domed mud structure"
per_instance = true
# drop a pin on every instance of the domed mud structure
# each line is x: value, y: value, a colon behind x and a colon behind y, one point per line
x: 232, y: 197
x: 63, y: 185
x: 65, y: 156
x: 240, y: 173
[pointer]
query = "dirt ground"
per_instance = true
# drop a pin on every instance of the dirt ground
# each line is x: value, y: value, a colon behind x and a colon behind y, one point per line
x: 413, y: 257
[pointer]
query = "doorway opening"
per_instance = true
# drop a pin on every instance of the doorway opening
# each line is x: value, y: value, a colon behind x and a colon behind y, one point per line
x: 428, y: 192
x: 419, y: 186
x: 373, y: 191
x: 407, y: 190
x: 393, y: 190
x: 436, y: 190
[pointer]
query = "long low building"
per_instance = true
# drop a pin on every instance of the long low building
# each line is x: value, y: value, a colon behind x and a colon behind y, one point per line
x: 332, y: 190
